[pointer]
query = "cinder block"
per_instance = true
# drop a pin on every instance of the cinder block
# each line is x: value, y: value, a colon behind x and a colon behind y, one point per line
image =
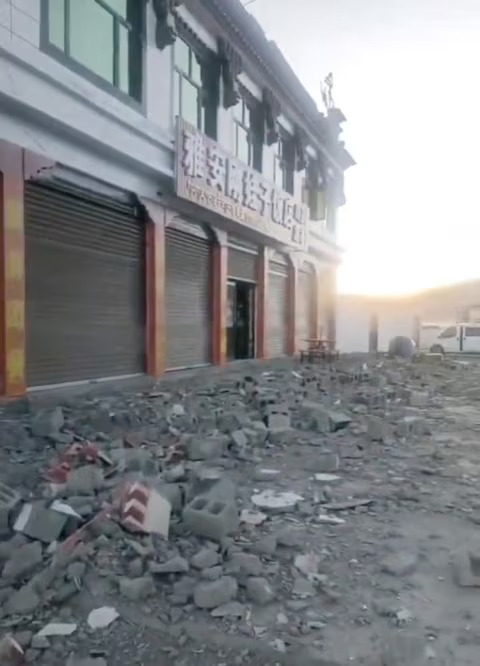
x: 278, y: 417
x: 212, y: 518
x: 9, y: 499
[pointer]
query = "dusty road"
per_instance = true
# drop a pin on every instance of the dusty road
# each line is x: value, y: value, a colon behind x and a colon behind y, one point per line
x: 369, y: 555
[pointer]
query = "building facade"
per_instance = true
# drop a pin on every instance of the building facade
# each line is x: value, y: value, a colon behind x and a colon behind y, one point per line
x: 168, y: 192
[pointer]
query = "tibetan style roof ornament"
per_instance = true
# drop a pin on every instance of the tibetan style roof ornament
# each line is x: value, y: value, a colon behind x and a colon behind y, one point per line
x: 166, y: 32
x: 327, y: 91
x: 231, y: 64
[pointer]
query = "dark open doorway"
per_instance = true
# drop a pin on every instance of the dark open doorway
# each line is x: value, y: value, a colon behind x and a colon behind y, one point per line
x: 240, y: 320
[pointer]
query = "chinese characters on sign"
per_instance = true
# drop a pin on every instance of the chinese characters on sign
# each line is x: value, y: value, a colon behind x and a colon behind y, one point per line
x: 209, y: 177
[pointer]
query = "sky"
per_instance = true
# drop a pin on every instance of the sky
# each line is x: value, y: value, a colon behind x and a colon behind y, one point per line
x: 406, y: 76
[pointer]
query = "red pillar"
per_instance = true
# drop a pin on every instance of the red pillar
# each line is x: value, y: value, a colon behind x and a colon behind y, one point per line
x: 155, y: 267
x: 219, y: 299
x: 292, y: 306
x: 12, y: 272
x: 262, y: 309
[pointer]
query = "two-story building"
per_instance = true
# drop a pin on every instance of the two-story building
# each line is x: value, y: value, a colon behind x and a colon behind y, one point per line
x: 168, y: 191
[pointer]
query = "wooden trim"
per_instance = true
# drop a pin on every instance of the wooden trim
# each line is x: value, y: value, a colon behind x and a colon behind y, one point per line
x: 12, y: 272
x: 262, y: 309
x: 155, y: 287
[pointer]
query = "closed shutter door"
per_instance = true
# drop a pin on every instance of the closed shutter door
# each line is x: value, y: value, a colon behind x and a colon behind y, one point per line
x: 241, y: 265
x: 277, y: 314
x: 187, y: 285
x: 85, y: 290
x: 304, y: 308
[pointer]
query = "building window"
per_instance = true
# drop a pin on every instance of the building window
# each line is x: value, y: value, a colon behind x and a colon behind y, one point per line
x: 188, y: 85
x: 284, y: 166
x: 101, y: 39
x: 248, y: 145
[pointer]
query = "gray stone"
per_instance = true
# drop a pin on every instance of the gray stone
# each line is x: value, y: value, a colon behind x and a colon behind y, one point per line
x: 136, y: 589
x: 245, y: 563
x: 261, y: 432
x: 23, y: 560
x: 43, y: 524
x: 211, y: 518
x: 290, y: 537
x: 40, y: 643
x: 377, y: 429
x: 239, y: 439
x: 173, y: 493
x: 175, y: 565
x: 338, y: 420
x: 136, y: 568
x: 23, y: 638
x: 85, y: 480
x: 25, y: 600
x: 324, y: 462
x: 419, y: 399
x: 466, y: 569
x: 231, y: 609
x: 214, y: 573
x: 303, y: 588
x: 217, y: 593
x: 411, y: 426
x: 47, y: 422
x: 266, y: 546
x: 260, y: 591
x: 205, y: 559
x: 404, y: 650
x: 206, y: 449
x: 400, y: 564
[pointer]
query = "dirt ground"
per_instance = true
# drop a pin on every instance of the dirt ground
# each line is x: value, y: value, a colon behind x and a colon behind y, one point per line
x: 388, y: 581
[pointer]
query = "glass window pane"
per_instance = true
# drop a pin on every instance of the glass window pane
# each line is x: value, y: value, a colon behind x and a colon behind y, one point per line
x: 129, y: 62
x: 118, y: 6
x: 182, y: 56
x: 56, y: 23
x: 238, y: 111
x: 91, y: 37
x: 189, y: 102
x: 196, y: 70
x: 242, y: 148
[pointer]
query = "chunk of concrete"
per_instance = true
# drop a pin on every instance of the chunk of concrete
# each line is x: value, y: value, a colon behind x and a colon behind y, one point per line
x: 401, y: 563
x: 245, y: 563
x: 85, y: 480
x: 136, y: 589
x: 278, y: 417
x: 217, y: 593
x: 9, y: 500
x: 205, y: 559
x: 325, y: 462
x: 260, y: 591
x: 377, y: 429
x: 207, y: 448
x: 146, y: 510
x: 212, y: 518
x: 39, y: 522
x: 25, y: 600
x: 466, y: 568
x: 47, y: 423
x: 419, y: 399
x: 176, y: 564
x: 23, y: 560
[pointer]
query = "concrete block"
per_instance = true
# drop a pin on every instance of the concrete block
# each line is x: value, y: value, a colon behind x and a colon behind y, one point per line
x: 9, y: 499
x: 39, y: 522
x: 419, y: 399
x: 325, y: 462
x: 212, y: 595
x: 211, y: 518
x: 377, y: 429
x: 23, y: 560
x: 206, y: 449
x: 278, y: 417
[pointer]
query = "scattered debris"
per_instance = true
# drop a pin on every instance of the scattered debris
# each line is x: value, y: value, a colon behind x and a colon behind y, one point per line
x: 100, y: 618
x: 276, y: 501
x: 57, y: 629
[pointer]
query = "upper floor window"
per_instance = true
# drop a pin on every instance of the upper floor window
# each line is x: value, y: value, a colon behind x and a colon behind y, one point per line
x: 101, y: 39
x: 248, y: 147
x: 284, y: 166
x: 188, y: 85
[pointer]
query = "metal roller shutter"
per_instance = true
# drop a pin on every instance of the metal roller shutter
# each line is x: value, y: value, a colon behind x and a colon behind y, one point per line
x: 187, y: 287
x: 85, y: 289
x: 241, y: 265
x: 277, y: 313
x: 304, y: 308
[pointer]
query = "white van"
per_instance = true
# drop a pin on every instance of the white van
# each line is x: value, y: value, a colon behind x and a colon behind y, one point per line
x: 453, y: 337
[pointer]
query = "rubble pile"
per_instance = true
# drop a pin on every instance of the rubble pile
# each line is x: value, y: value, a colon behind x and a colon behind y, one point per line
x: 234, y: 502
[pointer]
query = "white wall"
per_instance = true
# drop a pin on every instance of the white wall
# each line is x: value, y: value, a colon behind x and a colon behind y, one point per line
x: 51, y: 110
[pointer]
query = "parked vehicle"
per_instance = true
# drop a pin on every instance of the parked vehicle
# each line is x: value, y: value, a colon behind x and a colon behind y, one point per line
x: 451, y: 337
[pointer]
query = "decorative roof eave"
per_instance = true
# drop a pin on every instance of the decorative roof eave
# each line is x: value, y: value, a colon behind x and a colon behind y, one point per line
x: 234, y: 18
x: 165, y: 32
